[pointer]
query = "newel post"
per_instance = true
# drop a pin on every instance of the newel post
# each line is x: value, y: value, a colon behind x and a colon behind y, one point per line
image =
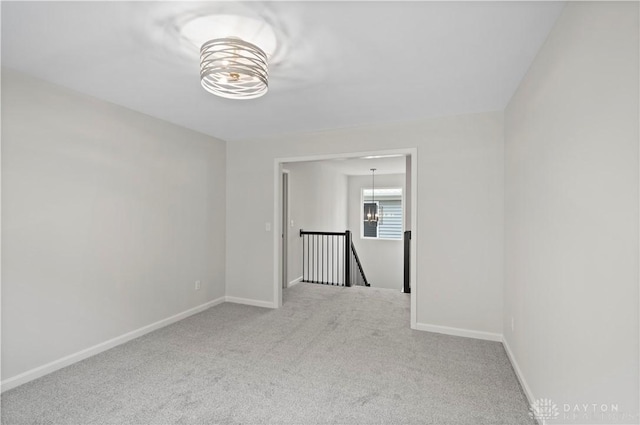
x: 347, y: 258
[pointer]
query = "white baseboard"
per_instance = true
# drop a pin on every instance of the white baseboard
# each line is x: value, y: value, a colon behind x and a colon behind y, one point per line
x: 248, y: 301
x: 467, y: 333
x: 39, y: 371
x: 516, y: 368
x: 294, y: 282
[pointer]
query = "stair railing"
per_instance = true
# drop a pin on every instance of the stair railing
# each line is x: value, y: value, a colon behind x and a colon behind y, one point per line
x: 330, y: 258
x: 358, y: 277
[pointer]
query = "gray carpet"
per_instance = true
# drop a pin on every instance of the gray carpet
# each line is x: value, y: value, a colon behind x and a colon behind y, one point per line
x: 329, y: 355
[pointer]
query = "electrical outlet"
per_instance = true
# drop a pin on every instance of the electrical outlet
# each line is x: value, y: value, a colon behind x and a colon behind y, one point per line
x: 197, y: 285
x: 512, y: 324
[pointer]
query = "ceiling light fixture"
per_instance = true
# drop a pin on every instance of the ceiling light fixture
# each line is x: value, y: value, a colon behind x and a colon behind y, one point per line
x: 233, y: 68
x: 375, y: 211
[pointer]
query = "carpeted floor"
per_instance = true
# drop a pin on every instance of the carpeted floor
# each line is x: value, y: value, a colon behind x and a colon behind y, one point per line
x: 329, y: 355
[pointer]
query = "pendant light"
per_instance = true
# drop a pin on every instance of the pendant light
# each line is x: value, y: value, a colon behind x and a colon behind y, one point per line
x: 372, y: 213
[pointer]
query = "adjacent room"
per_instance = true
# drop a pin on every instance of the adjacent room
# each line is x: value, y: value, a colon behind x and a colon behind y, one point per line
x: 360, y: 195
x: 320, y: 212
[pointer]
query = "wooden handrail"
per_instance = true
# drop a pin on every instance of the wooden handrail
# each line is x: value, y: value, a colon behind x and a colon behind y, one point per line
x: 304, y: 232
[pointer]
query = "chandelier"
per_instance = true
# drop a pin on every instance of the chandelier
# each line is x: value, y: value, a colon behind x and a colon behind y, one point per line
x: 374, y: 212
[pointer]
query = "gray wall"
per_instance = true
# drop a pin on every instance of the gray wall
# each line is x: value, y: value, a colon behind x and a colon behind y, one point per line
x: 108, y: 218
x: 571, y: 208
x: 459, y: 202
x: 317, y: 201
x: 382, y: 260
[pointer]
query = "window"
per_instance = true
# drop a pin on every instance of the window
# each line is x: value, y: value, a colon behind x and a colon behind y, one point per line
x: 388, y: 207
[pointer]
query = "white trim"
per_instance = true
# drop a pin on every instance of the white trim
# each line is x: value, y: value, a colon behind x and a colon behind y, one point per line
x: 413, y: 154
x: 294, y: 282
x: 284, y: 231
x: 519, y: 375
x: 48, y: 368
x: 467, y: 333
x: 320, y: 157
x: 248, y: 301
x: 277, y: 239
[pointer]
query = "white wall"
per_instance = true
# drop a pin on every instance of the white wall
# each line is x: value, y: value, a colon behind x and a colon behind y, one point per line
x: 317, y: 201
x: 109, y: 217
x: 459, y: 201
x: 571, y: 208
x: 382, y: 260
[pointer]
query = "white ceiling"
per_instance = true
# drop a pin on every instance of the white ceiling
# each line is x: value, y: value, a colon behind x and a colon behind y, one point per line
x: 363, y: 166
x: 341, y: 64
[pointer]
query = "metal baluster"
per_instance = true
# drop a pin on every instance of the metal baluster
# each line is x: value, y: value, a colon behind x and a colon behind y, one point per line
x: 308, y: 257
x: 330, y: 267
x: 313, y: 258
x: 327, y: 265
x: 339, y: 260
x: 333, y: 263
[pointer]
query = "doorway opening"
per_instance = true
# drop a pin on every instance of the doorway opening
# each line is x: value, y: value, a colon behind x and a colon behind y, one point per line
x: 284, y: 245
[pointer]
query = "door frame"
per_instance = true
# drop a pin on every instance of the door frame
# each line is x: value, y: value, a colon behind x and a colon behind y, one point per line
x: 284, y: 231
x: 277, y: 216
